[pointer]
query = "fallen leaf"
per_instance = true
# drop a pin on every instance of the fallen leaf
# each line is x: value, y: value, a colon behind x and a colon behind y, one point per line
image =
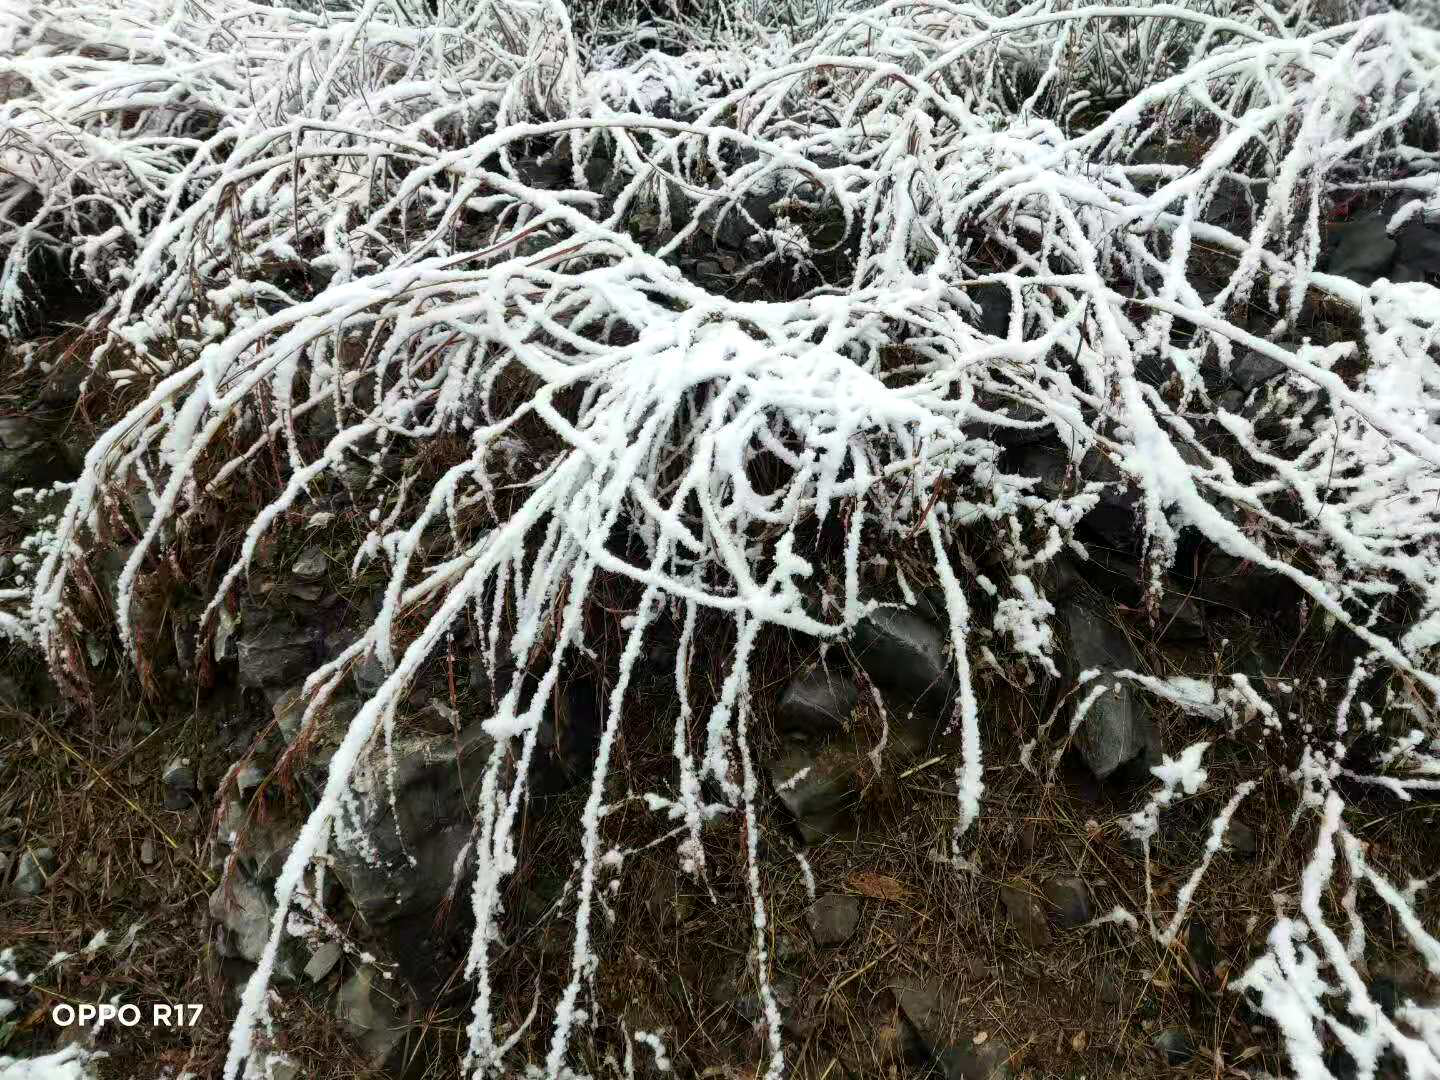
x: 878, y: 886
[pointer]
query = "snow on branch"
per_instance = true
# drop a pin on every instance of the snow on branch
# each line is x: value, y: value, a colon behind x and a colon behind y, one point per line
x: 375, y: 226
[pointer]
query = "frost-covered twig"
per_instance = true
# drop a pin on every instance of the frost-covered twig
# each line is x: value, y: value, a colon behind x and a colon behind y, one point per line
x: 355, y: 230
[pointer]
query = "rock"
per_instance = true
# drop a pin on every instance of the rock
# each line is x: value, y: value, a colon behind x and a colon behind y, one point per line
x: 276, y: 653
x: 261, y: 842
x: 905, y: 655
x: 249, y: 779
x: 19, y: 433
x: 1199, y: 943
x: 1363, y: 249
x: 1117, y: 729
x: 33, y: 871
x: 1112, y: 521
x: 833, y: 918
x: 994, y: 304
x: 310, y: 565
x: 412, y: 840
x: 147, y: 852
x: 279, y: 1067
x: 1110, y: 989
x: 1174, y: 1046
x: 798, y: 1017
x: 1023, y: 424
x: 1239, y: 838
x: 369, y: 1008
x: 1116, y: 577
x: 11, y: 830
x: 1417, y: 256
x: 1027, y: 915
x: 246, y: 913
x: 369, y: 675
x: 989, y: 1060
x: 27, y: 457
x: 924, y: 1006
x: 568, y: 738
x: 820, y: 787
x: 1248, y: 369
x: 1069, y: 900
x: 817, y: 703
x: 222, y: 645
x: 180, y: 784
x: 323, y: 960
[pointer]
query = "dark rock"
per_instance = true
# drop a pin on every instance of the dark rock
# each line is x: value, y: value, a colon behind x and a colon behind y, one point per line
x: 568, y: 738
x: 415, y: 821
x: 1239, y: 838
x: 27, y: 457
x: 33, y: 871
x: 1025, y: 426
x: 1110, y: 989
x: 1363, y: 249
x: 19, y: 433
x: 833, y: 918
x: 989, y: 1060
x: 1112, y: 521
x: 1174, y: 1046
x: 372, y: 1009
x: 1117, y: 730
x: 274, y: 652
x: 1069, y: 900
x: 905, y: 654
x: 10, y: 831
x: 368, y: 675
x: 1249, y: 369
x: 927, y: 1014
x: 798, y: 1017
x: 1417, y: 252
x: 180, y: 784
x: 1107, y: 576
x: 733, y: 225
x: 1201, y: 946
x: 821, y: 799
x: 818, y: 703
x: 1027, y: 915
x: 994, y: 304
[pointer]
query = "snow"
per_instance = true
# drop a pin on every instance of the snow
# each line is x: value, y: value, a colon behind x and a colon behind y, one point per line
x: 69, y: 1063
x: 439, y: 264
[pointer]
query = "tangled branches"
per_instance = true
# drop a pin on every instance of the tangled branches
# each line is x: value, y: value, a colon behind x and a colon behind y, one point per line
x: 371, y: 226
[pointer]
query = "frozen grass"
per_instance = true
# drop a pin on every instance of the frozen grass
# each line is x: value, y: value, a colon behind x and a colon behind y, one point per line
x: 338, y: 221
